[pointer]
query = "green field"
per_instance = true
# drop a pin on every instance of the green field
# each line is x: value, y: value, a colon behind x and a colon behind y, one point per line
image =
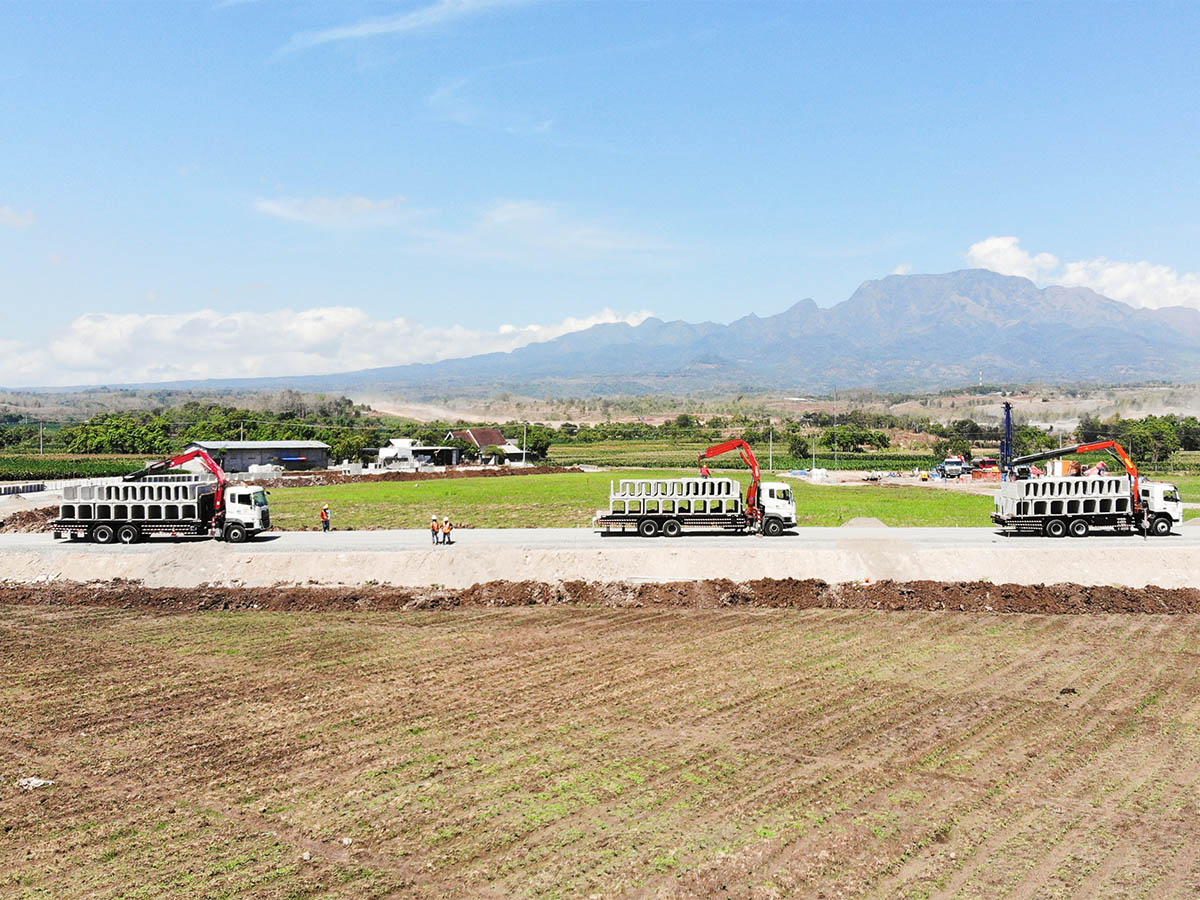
x: 569, y: 500
x: 31, y: 467
x: 671, y: 453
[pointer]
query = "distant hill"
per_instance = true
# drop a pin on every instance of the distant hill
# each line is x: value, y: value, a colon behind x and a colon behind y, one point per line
x: 903, y: 332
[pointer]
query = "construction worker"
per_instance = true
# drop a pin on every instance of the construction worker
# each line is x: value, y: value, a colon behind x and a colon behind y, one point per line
x: 435, y: 530
x: 325, y: 517
x: 446, y: 529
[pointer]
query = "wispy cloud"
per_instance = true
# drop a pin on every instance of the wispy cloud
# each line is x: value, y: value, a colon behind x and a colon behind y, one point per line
x: 450, y: 103
x: 334, y: 212
x: 1138, y: 283
x: 108, y: 348
x: 520, y: 231
x: 425, y: 17
x: 16, y: 219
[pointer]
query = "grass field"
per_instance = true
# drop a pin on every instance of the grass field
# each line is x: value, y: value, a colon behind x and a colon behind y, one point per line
x: 669, y: 453
x: 568, y: 500
x: 574, y: 753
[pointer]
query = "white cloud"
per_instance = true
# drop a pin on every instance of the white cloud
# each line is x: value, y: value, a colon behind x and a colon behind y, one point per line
x: 431, y: 16
x: 334, y: 211
x: 903, y: 269
x: 15, y: 219
x: 1005, y: 255
x: 110, y: 348
x: 1139, y: 283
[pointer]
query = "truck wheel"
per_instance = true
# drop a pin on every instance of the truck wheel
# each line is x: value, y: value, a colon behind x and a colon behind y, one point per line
x: 1079, y: 528
x: 103, y: 534
x: 672, y: 528
x: 129, y: 534
x: 647, y: 528
x: 235, y: 533
x: 1055, y: 528
x: 1160, y: 526
x: 772, y: 528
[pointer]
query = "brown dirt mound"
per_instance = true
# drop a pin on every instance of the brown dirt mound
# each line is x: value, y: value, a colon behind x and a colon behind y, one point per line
x: 321, y: 479
x: 716, y: 594
x: 29, y: 520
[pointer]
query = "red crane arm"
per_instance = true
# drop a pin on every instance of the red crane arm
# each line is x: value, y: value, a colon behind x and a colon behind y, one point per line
x: 748, y: 458
x: 205, y: 460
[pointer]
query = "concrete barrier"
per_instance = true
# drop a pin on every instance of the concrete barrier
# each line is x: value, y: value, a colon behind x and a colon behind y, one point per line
x: 27, y: 488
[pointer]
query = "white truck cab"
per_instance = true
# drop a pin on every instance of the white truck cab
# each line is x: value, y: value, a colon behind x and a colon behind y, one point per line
x: 246, y: 507
x: 1163, y: 505
x: 778, y: 506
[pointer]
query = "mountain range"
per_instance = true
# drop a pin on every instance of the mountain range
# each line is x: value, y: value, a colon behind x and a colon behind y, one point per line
x: 903, y: 332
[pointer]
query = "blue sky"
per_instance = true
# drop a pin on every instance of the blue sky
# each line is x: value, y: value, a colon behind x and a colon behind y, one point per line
x: 267, y: 187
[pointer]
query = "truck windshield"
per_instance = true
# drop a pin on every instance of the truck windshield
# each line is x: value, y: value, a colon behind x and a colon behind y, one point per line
x: 259, y: 498
x: 785, y: 495
x: 1171, y: 494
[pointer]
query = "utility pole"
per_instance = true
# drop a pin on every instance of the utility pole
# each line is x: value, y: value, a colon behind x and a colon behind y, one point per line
x: 41, y: 438
x: 242, y: 430
x: 524, y: 445
x: 835, y: 438
x: 771, y: 447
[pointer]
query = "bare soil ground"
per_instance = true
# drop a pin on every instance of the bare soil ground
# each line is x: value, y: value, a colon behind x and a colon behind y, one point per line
x: 28, y: 520
x: 769, y: 593
x: 562, y: 751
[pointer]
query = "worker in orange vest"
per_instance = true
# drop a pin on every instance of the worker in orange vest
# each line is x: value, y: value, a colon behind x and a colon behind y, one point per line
x: 446, y: 529
x: 435, y: 530
x: 325, y: 517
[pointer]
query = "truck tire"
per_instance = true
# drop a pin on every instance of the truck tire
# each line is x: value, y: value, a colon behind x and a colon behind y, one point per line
x: 1055, y: 528
x: 647, y: 528
x: 1079, y: 528
x: 1160, y: 526
x: 772, y: 528
x: 129, y: 534
x: 235, y: 533
x: 672, y: 528
x: 103, y: 534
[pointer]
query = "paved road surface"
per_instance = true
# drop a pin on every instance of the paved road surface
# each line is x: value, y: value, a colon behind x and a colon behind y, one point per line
x: 585, y: 539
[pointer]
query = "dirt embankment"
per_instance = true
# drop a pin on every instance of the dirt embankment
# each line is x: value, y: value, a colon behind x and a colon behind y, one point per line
x: 715, y: 594
x: 28, y: 520
x: 321, y: 479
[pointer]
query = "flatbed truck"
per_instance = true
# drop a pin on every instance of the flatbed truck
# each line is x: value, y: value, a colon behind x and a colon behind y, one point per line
x: 149, y: 502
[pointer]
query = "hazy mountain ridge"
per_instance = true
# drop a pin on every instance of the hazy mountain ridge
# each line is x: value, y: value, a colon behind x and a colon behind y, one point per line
x: 899, y: 332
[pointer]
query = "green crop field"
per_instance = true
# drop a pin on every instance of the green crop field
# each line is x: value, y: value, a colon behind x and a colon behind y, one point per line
x: 30, y: 467
x: 671, y: 454
x: 568, y: 500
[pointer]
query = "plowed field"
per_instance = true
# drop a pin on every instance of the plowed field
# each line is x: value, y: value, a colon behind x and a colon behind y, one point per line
x: 562, y: 751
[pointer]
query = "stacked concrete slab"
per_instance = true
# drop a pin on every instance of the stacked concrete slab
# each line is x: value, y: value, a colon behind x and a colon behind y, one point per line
x: 158, y: 498
x: 640, y: 496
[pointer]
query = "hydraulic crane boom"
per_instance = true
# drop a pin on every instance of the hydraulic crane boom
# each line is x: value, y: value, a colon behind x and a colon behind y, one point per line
x: 1114, y: 448
x: 205, y: 460
x: 752, y: 504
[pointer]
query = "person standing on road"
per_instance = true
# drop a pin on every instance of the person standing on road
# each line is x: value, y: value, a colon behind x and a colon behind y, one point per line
x: 435, y: 531
x: 446, y: 529
x: 325, y: 517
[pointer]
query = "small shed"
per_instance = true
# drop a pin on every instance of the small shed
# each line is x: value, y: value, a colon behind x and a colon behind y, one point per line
x: 239, y: 456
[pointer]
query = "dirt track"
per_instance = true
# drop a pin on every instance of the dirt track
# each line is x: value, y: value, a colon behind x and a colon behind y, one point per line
x: 715, y: 594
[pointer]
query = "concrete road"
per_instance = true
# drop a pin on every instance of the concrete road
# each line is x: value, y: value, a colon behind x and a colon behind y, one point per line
x: 407, y: 558
x: 804, y: 539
